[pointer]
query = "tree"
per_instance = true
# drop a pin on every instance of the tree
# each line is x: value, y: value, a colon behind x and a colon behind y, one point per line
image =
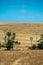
x: 31, y: 39
x: 9, y: 40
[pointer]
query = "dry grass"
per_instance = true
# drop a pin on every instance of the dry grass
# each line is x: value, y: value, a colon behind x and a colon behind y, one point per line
x: 23, y: 31
x: 30, y: 57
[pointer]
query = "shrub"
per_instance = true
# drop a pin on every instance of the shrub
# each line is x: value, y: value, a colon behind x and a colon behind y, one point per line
x: 0, y: 45
x: 9, y: 40
x: 40, y: 42
x: 10, y: 44
x: 16, y: 42
x: 33, y: 46
x: 40, y: 45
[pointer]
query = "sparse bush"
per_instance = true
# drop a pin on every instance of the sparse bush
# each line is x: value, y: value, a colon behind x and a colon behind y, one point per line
x: 9, y: 44
x: 40, y: 45
x: 9, y: 40
x: 0, y: 45
x: 16, y: 42
x: 30, y: 47
x: 33, y: 46
x: 40, y: 42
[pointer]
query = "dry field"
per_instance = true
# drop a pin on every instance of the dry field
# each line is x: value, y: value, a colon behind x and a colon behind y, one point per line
x: 23, y: 31
x: 30, y: 57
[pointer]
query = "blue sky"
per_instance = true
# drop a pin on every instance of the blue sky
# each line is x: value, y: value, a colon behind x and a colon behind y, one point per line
x: 21, y: 10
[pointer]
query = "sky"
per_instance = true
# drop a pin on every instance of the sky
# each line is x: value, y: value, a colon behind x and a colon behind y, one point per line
x: 21, y: 10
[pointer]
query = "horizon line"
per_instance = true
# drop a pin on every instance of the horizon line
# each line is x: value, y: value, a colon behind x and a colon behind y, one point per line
x: 23, y: 22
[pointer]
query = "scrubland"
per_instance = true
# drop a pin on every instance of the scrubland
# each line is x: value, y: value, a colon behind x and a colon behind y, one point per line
x: 23, y: 33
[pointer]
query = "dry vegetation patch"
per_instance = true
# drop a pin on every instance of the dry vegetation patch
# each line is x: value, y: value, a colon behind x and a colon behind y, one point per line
x: 32, y: 57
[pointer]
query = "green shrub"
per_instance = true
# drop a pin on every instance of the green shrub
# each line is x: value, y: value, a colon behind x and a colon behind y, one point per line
x: 16, y: 42
x: 10, y: 44
x: 9, y: 40
x: 0, y: 45
x: 40, y: 45
x: 40, y: 42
